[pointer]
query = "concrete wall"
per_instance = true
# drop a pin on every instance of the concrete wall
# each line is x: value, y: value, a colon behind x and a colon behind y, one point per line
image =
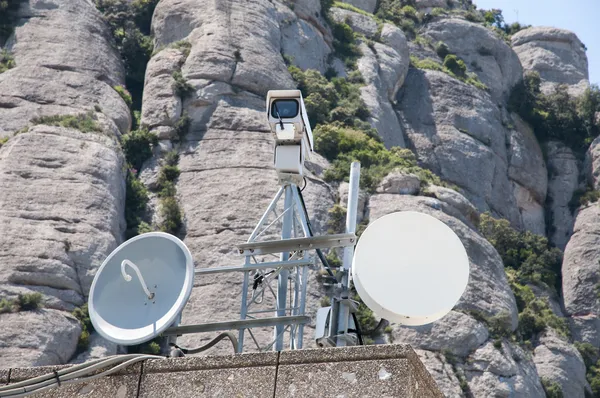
x: 370, y: 371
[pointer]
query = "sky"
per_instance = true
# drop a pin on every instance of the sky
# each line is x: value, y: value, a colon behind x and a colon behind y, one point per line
x: 579, y: 16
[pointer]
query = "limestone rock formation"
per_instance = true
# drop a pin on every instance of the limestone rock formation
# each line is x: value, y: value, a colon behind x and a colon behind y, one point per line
x: 495, y: 63
x: 443, y: 128
x: 62, y: 191
x: 556, y: 54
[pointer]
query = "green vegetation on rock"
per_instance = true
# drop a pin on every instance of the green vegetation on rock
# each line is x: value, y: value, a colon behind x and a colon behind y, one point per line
x: 7, y: 61
x: 125, y: 95
x: 23, y: 302
x: 591, y: 356
x: 552, y: 389
x: 343, y: 145
x: 452, y: 66
x: 136, y: 199
x: 528, y: 260
x: 558, y: 115
x: 137, y: 146
x: 180, y: 85
x: 129, y: 22
x: 84, y: 122
x: 528, y: 254
x: 82, y: 314
x: 170, y: 211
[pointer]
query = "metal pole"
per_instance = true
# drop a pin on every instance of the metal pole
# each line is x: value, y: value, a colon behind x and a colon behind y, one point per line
x: 282, y: 279
x: 344, y: 311
x: 244, y: 308
x: 266, y: 215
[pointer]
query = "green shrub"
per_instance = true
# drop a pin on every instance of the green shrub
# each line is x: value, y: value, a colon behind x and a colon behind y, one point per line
x: 426, y: 63
x: 336, y: 220
x: 455, y: 65
x: 588, y: 352
x: 136, y: 199
x: 557, y: 116
x: 87, y: 328
x: 180, y: 85
x: 129, y: 22
x: 410, y: 12
x: 171, y: 215
x: 29, y: 301
x: 345, y: 44
x: 183, y: 126
x: 137, y: 146
x: 530, y: 255
x: 84, y: 122
x: 6, y: 306
x: 442, y: 49
x: 352, y: 8
x: 124, y: 94
x: 342, y: 146
x: 329, y: 101
x: 438, y: 12
x: 325, y: 301
x: 409, y: 28
x: 423, y: 41
x: 184, y: 46
x: 583, y: 197
x: 144, y: 227
x: 474, y: 16
x: 171, y: 158
x: 7, y: 61
x: 552, y: 389
x: 3, y: 140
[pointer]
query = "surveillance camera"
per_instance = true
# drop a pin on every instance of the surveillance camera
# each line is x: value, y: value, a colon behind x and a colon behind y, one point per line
x: 289, y: 123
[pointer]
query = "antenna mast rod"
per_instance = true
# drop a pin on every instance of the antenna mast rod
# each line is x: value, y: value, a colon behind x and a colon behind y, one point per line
x: 343, y: 309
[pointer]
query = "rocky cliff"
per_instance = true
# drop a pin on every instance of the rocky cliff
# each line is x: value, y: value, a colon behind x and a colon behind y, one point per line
x: 452, y: 113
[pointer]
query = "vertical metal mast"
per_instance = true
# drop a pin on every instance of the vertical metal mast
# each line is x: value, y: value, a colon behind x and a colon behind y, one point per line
x: 343, y: 303
x: 282, y: 280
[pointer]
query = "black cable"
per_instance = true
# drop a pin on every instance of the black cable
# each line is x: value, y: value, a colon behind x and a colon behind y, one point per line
x: 319, y: 252
x: 358, y: 331
x: 304, y: 186
x: 211, y: 344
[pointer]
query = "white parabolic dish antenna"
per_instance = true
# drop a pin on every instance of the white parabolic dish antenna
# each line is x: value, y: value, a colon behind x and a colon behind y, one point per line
x: 141, y: 288
x: 410, y: 268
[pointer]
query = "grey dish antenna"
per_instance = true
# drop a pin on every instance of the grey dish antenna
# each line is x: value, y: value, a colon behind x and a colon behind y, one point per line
x: 410, y: 268
x: 141, y: 288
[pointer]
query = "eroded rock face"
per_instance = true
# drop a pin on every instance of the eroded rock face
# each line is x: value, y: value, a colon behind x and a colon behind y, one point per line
x: 384, y: 68
x: 303, y: 42
x: 226, y: 158
x: 62, y: 214
x: 60, y: 76
x: 485, y: 54
x: 456, y: 333
x: 556, y: 54
x: 38, y: 338
x: 459, y: 133
x: 62, y: 192
x: 563, y: 181
x: 505, y: 371
x: 560, y: 362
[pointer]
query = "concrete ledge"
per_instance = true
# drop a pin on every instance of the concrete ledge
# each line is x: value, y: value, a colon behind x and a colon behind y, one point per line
x: 4, y: 376
x: 369, y: 371
x: 122, y: 384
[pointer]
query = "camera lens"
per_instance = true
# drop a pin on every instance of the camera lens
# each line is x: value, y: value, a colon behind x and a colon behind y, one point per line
x: 284, y: 108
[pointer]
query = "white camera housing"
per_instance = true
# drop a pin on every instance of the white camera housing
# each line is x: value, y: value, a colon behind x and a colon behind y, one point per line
x: 289, y: 124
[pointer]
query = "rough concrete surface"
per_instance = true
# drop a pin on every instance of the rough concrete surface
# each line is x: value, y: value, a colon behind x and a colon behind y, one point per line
x: 368, y: 371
